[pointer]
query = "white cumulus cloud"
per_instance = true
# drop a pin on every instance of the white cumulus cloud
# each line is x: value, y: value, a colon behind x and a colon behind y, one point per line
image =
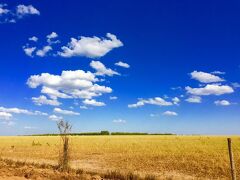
x: 51, y: 38
x: 119, y: 121
x: 93, y: 102
x: 218, y: 72
x: 176, y: 100
x: 83, y: 107
x: 101, y: 69
x: 222, y: 103
x: 43, y: 52
x: 21, y: 111
x: 29, y: 50
x: 153, y: 101
x: 194, y: 99
x: 55, y: 118
x: 70, y: 84
x: 170, y: 113
x: 65, y: 112
x: 122, y: 64
x: 33, y: 38
x: 236, y: 85
x: 205, y: 77
x: 210, y: 89
x: 23, y: 10
x: 12, y: 15
x: 43, y: 100
x: 3, y: 9
x: 5, y: 116
x: 92, y: 47
x: 113, y: 97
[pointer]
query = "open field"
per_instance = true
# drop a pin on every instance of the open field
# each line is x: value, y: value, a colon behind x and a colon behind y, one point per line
x: 173, y: 157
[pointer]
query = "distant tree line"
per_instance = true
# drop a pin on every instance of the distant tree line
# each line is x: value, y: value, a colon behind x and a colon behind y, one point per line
x: 104, y: 133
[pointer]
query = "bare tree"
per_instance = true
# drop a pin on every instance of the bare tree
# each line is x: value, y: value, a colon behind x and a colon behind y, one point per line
x: 64, y: 128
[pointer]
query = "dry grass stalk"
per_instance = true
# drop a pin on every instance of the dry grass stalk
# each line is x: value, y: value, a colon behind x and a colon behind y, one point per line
x: 64, y: 155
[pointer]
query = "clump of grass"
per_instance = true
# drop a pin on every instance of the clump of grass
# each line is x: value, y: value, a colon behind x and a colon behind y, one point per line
x: 36, y: 143
x: 79, y: 171
x: 114, y: 175
x: 121, y: 176
x: 149, y: 177
x: 132, y: 176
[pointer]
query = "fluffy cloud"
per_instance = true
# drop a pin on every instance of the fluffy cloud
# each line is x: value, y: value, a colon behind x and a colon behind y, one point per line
x: 222, y: 103
x: 54, y: 93
x: 119, y: 121
x: 68, y: 79
x: 12, y: 15
x: 29, y: 50
x: 40, y: 113
x: 194, y: 99
x: 55, y: 118
x: 5, y: 116
x: 9, y: 123
x: 43, y: 100
x: 43, y: 52
x: 93, y: 102
x: 236, y: 85
x: 122, y: 64
x: 51, y: 37
x: 210, y: 89
x: 218, y: 72
x: 70, y: 84
x: 101, y: 69
x: 170, y: 113
x: 176, y: 88
x: 153, y: 101
x: 205, y: 77
x: 113, y: 97
x: 33, y: 38
x: 3, y: 9
x: 176, y: 100
x: 23, y: 10
x: 21, y: 111
x: 83, y: 107
x: 29, y: 127
x: 153, y: 115
x: 91, y: 47
x: 65, y: 112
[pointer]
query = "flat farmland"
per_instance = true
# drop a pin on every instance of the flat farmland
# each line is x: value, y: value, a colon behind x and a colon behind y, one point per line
x: 172, y: 157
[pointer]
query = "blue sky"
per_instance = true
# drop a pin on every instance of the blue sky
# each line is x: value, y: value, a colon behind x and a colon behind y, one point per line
x: 149, y: 66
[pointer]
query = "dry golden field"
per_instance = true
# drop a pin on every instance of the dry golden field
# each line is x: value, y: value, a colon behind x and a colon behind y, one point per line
x: 172, y: 157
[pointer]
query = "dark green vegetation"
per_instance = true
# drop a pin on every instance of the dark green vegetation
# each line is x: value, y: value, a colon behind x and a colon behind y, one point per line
x: 105, y: 133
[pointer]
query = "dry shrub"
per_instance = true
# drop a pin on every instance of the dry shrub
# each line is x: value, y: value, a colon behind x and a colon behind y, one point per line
x: 64, y: 155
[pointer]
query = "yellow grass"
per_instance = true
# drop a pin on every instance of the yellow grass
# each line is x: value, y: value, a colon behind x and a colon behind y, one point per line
x: 203, y: 157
